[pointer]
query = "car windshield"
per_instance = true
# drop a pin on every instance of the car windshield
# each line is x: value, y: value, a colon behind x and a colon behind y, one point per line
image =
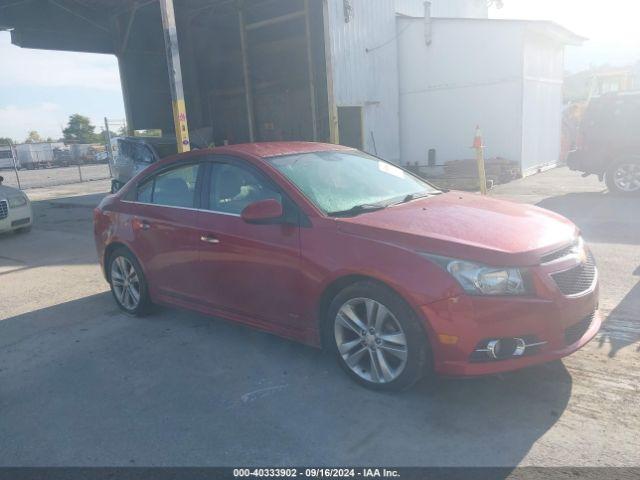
x: 349, y: 183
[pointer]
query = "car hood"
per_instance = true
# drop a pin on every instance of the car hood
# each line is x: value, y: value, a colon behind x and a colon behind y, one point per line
x: 6, y: 191
x: 467, y: 226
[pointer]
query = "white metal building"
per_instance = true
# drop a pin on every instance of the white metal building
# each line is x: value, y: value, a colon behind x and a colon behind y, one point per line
x: 504, y: 75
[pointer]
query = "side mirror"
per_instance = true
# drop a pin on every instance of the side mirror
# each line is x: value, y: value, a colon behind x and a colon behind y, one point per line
x: 263, y: 212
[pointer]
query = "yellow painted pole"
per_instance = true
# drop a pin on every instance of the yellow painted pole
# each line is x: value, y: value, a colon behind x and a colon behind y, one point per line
x: 478, y: 146
x: 175, y: 75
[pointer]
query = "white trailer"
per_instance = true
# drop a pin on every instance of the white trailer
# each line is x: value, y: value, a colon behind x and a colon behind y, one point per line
x: 6, y: 157
x: 35, y: 155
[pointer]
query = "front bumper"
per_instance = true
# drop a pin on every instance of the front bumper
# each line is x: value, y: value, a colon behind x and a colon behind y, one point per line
x: 549, y: 318
x: 21, y: 217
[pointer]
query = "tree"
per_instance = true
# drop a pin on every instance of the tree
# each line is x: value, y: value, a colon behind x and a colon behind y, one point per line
x: 7, y: 141
x: 80, y: 130
x: 33, y: 137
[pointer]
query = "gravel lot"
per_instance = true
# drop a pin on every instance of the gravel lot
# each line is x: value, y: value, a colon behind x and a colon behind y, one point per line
x: 82, y: 384
x: 48, y: 177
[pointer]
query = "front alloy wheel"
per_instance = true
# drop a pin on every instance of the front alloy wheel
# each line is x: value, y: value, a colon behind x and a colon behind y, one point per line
x: 370, y: 340
x: 376, y: 337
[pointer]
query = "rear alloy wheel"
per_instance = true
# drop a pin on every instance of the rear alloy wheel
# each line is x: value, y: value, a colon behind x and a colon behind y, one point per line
x: 128, y: 283
x: 624, y: 178
x: 376, y: 337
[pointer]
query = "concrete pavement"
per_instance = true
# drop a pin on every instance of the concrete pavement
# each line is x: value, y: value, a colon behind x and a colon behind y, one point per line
x: 83, y: 384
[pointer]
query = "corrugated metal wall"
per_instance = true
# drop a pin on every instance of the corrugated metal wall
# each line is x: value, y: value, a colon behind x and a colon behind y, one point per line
x: 365, y: 69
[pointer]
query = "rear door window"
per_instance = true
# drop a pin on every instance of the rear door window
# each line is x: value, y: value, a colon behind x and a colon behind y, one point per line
x: 172, y: 188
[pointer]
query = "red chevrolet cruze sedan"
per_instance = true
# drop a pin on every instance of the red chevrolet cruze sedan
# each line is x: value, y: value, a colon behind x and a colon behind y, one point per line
x: 333, y: 247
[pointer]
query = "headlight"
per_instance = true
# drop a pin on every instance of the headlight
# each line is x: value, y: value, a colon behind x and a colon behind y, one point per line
x: 478, y: 279
x: 17, y: 201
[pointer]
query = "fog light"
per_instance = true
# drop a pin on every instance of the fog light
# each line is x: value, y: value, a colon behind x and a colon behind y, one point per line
x: 505, y: 347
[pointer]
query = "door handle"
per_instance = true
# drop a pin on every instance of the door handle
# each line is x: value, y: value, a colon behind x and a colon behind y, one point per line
x: 141, y: 224
x: 209, y: 239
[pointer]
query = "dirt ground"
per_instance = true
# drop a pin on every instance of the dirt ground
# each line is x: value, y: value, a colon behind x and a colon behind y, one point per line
x: 82, y: 384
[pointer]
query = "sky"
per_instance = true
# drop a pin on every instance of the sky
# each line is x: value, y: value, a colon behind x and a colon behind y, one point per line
x: 39, y: 89
x: 42, y: 88
x: 611, y: 27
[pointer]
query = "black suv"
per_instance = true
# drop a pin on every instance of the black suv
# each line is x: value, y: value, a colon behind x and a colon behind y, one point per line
x: 609, y: 142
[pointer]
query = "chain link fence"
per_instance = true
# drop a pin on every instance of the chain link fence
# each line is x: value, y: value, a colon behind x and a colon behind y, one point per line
x: 40, y: 165
x: 54, y: 176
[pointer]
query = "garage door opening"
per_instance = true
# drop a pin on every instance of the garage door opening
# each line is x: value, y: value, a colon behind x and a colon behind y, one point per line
x: 260, y: 70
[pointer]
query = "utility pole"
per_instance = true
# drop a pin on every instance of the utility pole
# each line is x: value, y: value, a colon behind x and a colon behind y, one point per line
x: 175, y: 75
x: 108, y: 145
x: 15, y: 163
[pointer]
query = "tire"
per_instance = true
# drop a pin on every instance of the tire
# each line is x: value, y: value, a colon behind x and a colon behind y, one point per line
x: 623, y: 177
x: 399, y: 347
x: 129, y: 291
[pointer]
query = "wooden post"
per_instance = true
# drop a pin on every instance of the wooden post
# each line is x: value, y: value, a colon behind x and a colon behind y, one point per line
x: 478, y: 146
x: 175, y: 75
x: 248, y: 88
x: 311, y: 71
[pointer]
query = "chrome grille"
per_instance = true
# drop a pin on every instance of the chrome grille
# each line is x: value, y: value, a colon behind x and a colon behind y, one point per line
x: 578, y: 279
x: 575, y: 332
x: 4, y: 209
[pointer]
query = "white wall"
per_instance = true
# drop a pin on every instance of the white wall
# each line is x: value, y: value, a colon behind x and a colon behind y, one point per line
x: 365, y: 69
x: 470, y: 75
x: 542, y: 103
x: 410, y: 8
x: 460, y: 8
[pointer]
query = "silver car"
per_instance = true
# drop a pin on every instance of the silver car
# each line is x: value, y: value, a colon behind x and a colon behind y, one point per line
x: 134, y: 154
x: 16, y: 213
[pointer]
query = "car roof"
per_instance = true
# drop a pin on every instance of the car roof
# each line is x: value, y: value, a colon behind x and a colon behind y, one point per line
x: 259, y: 151
x: 275, y: 149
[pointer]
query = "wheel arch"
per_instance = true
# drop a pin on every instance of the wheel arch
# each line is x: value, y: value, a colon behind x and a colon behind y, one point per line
x: 342, y: 282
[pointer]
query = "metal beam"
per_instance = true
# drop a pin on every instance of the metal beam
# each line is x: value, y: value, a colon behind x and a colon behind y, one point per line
x: 248, y: 88
x: 175, y: 75
x: 80, y: 16
x: 275, y: 20
x: 311, y: 72
x: 127, y: 31
x: 334, y: 132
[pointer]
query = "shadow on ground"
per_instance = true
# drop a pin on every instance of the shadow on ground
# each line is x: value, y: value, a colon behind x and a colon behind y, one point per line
x: 622, y: 326
x: 601, y: 216
x: 83, y: 384
x: 58, y: 224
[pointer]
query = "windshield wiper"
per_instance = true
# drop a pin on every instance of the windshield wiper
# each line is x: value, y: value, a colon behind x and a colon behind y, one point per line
x: 413, y: 196
x: 358, y: 209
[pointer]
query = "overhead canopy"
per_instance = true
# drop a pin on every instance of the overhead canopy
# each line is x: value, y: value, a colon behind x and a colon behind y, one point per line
x: 283, y: 51
x: 95, y: 26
